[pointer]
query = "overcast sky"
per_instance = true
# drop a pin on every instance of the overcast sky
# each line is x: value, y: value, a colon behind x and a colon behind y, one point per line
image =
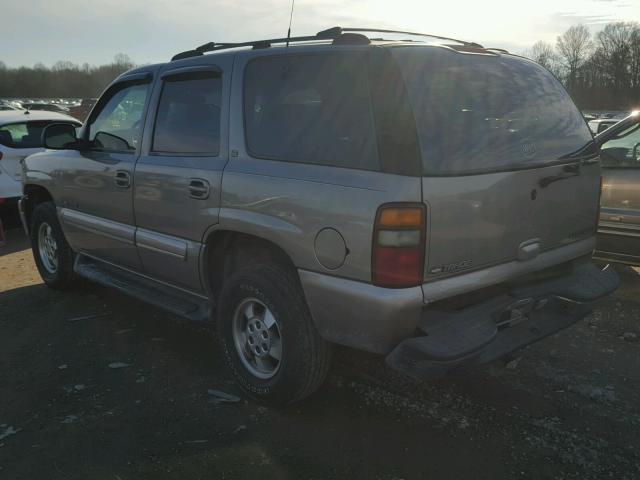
x: 152, y: 31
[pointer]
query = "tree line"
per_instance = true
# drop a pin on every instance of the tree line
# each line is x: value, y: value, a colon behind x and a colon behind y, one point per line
x: 601, y: 71
x: 63, y: 79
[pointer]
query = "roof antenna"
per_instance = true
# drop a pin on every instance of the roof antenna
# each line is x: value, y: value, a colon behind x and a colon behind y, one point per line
x: 293, y: 2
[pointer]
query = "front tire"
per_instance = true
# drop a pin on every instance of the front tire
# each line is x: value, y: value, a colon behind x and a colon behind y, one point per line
x: 52, y: 254
x: 268, y: 337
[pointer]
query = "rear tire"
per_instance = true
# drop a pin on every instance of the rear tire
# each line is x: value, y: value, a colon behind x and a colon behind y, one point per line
x: 267, y: 335
x: 52, y: 254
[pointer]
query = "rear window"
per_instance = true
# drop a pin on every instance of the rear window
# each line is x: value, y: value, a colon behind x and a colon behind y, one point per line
x: 477, y: 113
x: 23, y: 135
x: 312, y: 108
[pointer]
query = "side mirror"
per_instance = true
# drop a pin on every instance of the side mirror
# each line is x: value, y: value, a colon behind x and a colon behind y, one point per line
x: 59, y: 136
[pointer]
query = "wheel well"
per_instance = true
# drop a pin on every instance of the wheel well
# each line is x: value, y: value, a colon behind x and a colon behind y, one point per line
x: 227, y: 251
x: 35, y: 194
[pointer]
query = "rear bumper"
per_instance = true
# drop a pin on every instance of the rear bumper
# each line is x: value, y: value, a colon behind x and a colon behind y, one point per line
x: 484, y: 332
x: 376, y: 319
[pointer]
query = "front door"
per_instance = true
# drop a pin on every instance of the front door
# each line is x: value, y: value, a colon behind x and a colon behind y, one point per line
x: 619, y: 228
x: 96, y: 207
x: 178, y: 176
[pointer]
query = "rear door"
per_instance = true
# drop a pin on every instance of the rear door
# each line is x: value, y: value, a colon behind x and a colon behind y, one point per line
x: 619, y: 229
x: 509, y: 165
x: 178, y: 177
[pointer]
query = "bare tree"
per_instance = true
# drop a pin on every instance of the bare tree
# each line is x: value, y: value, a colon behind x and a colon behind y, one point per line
x: 574, y: 47
x: 122, y: 60
x: 544, y: 54
x: 634, y: 66
x: 614, y: 47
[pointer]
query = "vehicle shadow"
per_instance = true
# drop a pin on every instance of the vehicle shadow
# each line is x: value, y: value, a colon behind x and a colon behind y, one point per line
x: 15, y: 240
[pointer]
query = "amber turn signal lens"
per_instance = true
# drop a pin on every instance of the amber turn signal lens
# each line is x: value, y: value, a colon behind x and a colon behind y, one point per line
x: 401, y: 217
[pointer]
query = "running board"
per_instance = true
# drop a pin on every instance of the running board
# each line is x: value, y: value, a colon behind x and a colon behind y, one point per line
x: 179, y: 302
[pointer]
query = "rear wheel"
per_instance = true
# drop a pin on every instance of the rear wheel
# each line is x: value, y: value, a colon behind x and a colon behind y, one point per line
x: 268, y: 337
x: 52, y: 254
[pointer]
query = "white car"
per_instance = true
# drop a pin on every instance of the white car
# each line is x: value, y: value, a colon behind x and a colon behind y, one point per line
x: 20, y: 136
x: 599, y: 125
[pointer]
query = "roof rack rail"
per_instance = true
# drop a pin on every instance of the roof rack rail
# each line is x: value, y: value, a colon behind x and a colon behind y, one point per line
x: 417, y: 34
x: 494, y: 49
x: 338, y: 34
x: 213, y: 46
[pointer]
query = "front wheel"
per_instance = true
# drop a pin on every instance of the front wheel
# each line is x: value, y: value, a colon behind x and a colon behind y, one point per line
x: 268, y: 337
x: 51, y: 252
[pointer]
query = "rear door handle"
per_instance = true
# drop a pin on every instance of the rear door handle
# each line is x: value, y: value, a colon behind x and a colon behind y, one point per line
x: 199, y: 188
x: 123, y: 179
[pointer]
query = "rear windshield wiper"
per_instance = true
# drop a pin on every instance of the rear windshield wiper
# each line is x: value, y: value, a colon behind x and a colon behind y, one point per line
x: 568, y: 172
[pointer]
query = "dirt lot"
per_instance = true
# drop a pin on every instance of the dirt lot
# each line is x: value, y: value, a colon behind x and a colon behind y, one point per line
x: 567, y: 407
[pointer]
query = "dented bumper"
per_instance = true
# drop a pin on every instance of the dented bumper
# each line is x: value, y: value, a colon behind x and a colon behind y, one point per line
x: 491, y: 329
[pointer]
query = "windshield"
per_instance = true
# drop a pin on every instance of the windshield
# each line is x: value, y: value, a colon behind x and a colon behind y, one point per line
x: 477, y: 113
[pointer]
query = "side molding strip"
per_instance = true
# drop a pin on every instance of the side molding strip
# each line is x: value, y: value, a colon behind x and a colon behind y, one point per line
x: 162, y: 243
x: 117, y: 231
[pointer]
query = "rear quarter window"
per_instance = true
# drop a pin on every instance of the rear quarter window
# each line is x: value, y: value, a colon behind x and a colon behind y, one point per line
x: 311, y: 108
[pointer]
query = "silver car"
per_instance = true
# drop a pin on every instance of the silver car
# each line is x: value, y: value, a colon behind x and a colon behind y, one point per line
x: 432, y: 201
x: 619, y: 229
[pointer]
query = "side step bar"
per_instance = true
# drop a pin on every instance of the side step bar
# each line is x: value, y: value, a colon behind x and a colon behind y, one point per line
x: 179, y: 302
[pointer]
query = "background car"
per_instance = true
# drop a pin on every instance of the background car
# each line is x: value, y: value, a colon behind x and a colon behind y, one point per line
x: 49, y: 107
x: 20, y: 136
x: 619, y: 227
x: 81, y: 111
x: 8, y: 106
x: 599, y: 125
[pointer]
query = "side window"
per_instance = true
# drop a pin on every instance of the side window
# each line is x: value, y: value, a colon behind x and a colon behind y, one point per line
x: 118, y: 125
x: 188, y: 118
x: 311, y: 108
x: 23, y: 135
x: 623, y: 150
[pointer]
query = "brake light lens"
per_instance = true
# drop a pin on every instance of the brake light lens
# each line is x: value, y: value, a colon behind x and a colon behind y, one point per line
x: 399, y: 237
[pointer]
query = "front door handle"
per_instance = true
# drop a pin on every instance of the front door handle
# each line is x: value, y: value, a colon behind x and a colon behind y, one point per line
x: 199, y: 188
x: 123, y: 179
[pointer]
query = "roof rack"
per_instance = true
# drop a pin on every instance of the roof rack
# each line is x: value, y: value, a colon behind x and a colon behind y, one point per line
x: 338, y: 35
x: 417, y: 34
x: 494, y: 49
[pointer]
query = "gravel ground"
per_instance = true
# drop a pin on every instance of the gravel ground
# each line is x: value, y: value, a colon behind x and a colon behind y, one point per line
x: 96, y: 385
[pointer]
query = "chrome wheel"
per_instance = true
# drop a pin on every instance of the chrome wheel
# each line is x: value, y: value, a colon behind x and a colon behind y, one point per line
x: 47, y: 248
x: 257, y: 338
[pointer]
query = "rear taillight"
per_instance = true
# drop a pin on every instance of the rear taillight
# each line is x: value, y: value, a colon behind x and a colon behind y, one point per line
x: 398, y: 245
x: 0, y: 155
